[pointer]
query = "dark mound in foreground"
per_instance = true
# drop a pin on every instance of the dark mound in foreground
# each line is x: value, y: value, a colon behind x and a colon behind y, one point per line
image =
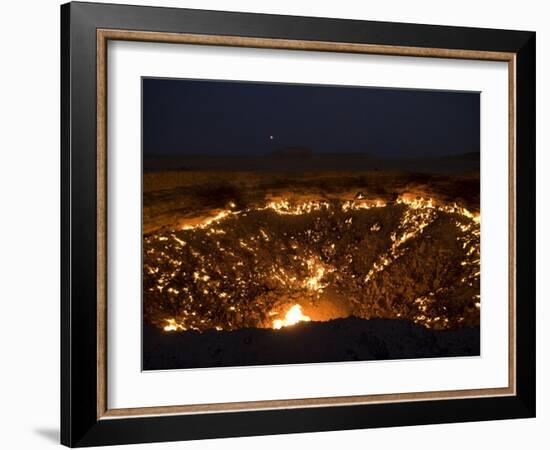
x: 349, y: 339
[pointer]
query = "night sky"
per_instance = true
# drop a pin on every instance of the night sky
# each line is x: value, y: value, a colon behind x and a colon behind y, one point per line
x: 199, y: 117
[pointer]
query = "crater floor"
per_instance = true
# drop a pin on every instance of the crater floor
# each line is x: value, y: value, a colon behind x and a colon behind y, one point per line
x: 407, y: 257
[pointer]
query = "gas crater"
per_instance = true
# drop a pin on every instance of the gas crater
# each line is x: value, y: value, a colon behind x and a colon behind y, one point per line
x: 278, y: 263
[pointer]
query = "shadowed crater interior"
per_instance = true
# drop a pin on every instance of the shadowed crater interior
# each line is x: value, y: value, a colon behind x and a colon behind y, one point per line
x: 283, y: 261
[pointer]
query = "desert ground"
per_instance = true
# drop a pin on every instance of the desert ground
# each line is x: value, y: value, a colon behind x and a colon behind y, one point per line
x: 327, y: 256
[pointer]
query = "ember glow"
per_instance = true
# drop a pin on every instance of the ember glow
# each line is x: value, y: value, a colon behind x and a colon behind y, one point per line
x: 172, y: 325
x: 414, y: 258
x: 293, y: 316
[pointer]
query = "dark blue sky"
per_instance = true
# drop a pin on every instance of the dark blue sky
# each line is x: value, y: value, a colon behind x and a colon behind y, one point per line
x: 199, y: 117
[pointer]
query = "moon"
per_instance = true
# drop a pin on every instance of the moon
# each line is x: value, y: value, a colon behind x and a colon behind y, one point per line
x: 271, y: 137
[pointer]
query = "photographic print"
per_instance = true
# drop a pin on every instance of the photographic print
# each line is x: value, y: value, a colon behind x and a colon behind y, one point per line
x: 294, y: 223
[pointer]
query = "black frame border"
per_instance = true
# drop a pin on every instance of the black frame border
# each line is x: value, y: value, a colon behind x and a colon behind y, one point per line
x: 79, y: 423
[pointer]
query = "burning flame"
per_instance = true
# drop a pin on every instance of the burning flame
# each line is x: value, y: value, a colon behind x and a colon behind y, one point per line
x: 208, y: 221
x: 292, y: 317
x: 173, y: 325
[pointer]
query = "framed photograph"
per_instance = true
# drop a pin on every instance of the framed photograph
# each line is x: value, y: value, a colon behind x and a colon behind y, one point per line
x: 277, y: 224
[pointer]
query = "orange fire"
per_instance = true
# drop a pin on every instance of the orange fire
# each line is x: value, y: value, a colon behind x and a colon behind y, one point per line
x: 173, y: 325
x: 292, y: 317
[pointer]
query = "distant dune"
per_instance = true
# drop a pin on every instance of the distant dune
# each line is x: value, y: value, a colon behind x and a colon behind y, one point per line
x: 292, y: 152
x: 300, y: 159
